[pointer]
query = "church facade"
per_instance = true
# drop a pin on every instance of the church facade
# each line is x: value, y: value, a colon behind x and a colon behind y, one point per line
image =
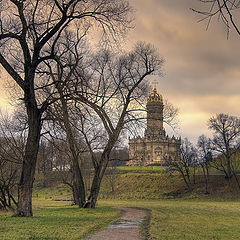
x: 155, y: 148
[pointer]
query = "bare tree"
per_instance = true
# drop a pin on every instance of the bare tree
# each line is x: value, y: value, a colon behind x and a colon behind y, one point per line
x: 170, y: 115
x: 29, y: 33
x: 226, y: 11
x: 12, y: 139
x: 205, y: 157
x: 235, y: 164
x: 185, y: 162
x: 226, y: 136
x: 45, y: 162
x: 106, y: 95
x: 116, y: 85
x: 8, y: 181
x: 111, y: 176
x: 62, y: 113
x: 70, y: 151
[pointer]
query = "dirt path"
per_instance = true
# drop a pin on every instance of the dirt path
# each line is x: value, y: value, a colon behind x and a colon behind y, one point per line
x: 125, y: 228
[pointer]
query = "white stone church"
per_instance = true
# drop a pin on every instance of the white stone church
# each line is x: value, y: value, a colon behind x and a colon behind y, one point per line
x: 155, y: 148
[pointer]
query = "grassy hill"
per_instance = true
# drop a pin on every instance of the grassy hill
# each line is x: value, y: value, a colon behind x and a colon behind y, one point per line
x: 147, y: 183
x: 175, y: 213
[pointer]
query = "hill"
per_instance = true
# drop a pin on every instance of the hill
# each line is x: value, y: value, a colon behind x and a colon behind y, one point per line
x: 145, y: 183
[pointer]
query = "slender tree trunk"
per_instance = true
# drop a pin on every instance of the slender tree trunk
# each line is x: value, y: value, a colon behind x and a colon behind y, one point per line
x: 229, y: 169
x: 194, y: 175
x: 95, y: 188
x: 29, y: 162
x: 3, y: 197
x: 206, y: 178
x: 187, y: 181
x: 188, y: 184
x: 78, y: 183
x: 97, y: 179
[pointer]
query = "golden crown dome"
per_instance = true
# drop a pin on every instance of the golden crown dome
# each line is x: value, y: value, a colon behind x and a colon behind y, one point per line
x: 155, y: 96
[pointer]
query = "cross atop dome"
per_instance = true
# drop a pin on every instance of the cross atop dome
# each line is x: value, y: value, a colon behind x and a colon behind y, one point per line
x: 155, y: 96
x: 155, y: 83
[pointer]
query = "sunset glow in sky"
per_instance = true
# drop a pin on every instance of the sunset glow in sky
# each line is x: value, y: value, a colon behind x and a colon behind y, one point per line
x: 202, y: 68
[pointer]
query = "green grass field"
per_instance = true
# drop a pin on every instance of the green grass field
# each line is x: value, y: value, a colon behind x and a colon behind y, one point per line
x: 55, y: 220
x: 141, y: 168
x: 170, y: 219
x: 186, y: 216
x: 190, y: 219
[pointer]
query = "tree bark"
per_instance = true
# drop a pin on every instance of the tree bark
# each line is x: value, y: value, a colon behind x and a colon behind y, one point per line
x: 78, y: 183
x: 97, y: 179
x: 206, y: 177
x: 29, y: 162
x: 194, y: 175
x: 229, y: 169
x: 95, y: 188
x: 186, y: 180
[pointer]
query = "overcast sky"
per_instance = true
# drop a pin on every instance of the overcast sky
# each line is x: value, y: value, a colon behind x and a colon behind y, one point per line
x: 202, y: 72
x: 202, y: 68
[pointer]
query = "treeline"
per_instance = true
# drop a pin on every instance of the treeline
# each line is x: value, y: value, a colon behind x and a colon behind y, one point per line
x: 59, y: 80
x: 221, y: 152
x: 54, y: 159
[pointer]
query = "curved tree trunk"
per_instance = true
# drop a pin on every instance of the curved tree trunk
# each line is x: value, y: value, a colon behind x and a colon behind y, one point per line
x: 97, y: 179
x: 78, y: 183
x: 29, y: 163
x: 95, y: 188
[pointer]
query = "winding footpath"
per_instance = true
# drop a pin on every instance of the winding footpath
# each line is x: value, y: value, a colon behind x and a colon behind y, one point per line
x: 125, y: 228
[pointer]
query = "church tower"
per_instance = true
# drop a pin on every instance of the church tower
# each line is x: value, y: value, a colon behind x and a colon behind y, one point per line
x: 155, y: 116
x: 155, y: 148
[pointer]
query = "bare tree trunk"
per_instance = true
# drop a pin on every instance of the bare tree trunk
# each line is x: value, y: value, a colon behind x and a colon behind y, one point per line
x: 194, y: 175
x: 29, y: 162
x: 206, y: 177
x: 3, y: 198
x: 97, y: 179
x: 229, y: 170
x: 78, y: 183
x: 186, y: 180
x: 207, y: 180
x: 188, y: 184
x: 95, y: 188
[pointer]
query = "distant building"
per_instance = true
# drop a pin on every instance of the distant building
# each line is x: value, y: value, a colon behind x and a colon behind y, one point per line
x: 155, y: 147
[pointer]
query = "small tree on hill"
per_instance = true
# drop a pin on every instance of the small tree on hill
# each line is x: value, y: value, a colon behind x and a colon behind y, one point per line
x: 185, y: 162
x: 225, y: 141
x: 205, y: 157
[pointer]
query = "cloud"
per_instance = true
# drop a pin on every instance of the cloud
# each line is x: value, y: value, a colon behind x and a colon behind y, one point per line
x: 202, y: 68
